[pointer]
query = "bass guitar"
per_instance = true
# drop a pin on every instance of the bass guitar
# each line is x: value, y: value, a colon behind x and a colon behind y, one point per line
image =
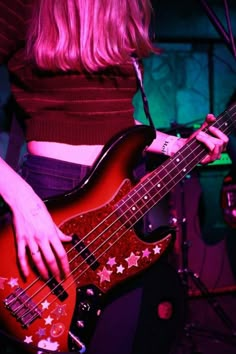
x: 101, y: 214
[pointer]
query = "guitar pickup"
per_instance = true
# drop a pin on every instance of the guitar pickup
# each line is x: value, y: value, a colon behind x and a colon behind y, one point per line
x: 84, y: 252
x: 57, y: 289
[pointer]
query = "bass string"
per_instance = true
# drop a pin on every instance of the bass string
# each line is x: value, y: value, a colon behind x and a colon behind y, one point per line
x: 95, y: 250
x: 109, y: 239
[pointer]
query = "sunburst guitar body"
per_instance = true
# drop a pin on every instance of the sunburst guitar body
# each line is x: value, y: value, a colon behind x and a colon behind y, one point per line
x: 100, y: 214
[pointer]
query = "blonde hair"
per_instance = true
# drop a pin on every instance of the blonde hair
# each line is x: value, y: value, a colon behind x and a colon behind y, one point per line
x: 88, y: 34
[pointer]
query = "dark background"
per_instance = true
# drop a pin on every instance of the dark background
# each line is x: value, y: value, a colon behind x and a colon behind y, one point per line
x: 194, y: 75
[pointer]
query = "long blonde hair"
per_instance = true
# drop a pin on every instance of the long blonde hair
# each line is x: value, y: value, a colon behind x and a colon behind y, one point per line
x: 88, y: 34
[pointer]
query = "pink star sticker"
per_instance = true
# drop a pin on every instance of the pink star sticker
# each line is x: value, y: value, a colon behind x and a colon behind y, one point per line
x: 132, y: 260
x: 111, y: 261
x: 105, y: 275
x: 146, y: 253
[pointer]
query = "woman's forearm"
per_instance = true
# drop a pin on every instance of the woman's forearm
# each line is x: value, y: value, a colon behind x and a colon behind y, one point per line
x: 12, y: 186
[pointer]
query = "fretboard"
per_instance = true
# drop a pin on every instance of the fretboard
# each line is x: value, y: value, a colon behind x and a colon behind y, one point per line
x: 158, y: 183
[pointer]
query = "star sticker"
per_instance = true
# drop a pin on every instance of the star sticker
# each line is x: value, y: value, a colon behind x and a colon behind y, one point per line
x: 157, y: 250
x: 105, y: 275
x: 48, y: 344
x: 41, y: 332
x: 111, y: 261
x: 2, y: 281
x: 48, y: 320
x: 132, y: 260
x: 146, y: 253
x: 59, y: 311
x: 28, y: 339
x: 13, y: 282
x: 45, y: 305
x: 120, y: 269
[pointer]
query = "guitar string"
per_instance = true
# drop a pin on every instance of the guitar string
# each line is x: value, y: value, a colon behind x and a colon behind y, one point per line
x: 81, y: 264
x: 100, y: 245
x: 106, y: 250
x: 142, y: 185
x: 95, y: 250
x: 108, y: 247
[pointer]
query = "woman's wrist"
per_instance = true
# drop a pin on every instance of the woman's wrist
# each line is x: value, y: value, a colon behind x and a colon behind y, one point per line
x: 166, y: 144
x: 176, y: 145
x: 171, y: 145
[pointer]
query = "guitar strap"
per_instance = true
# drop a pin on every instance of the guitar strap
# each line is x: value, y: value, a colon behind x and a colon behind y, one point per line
x: 143, y: 95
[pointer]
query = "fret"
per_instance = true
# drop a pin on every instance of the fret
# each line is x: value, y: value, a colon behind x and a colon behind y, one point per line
x: 147, y: 194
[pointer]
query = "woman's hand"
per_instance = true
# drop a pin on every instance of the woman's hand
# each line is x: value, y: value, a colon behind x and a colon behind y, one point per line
x: 216, y: 142
x: 37, y: 234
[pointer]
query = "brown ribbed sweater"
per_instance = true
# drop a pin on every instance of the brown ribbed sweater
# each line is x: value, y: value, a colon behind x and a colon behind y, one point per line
x: 71, y: 108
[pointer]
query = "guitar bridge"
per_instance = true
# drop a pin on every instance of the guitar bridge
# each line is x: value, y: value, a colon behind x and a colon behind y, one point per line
x: 22, y: 307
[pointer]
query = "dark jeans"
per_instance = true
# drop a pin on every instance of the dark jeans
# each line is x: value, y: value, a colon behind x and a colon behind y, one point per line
x: 50, y: 177
x: 130, y: 323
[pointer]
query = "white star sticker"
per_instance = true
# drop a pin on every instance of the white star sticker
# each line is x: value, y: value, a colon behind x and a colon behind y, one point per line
x: 45, y: 305
x: 48, y: 320
x: 132, y: 260
x: 157, y: 250
x: 13, y: 282
x: 120, y: 269
x: 105, y: 275
x: 111, y: 261
x: 28, y: 339
x: 146, y: 253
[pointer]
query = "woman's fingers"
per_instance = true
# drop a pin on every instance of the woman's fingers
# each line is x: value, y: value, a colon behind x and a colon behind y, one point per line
x: 39, y: 244
x: 23, y: 260
x: 215, y: 140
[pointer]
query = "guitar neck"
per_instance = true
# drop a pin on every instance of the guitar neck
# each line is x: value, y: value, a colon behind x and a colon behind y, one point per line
x: 158, y: 183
